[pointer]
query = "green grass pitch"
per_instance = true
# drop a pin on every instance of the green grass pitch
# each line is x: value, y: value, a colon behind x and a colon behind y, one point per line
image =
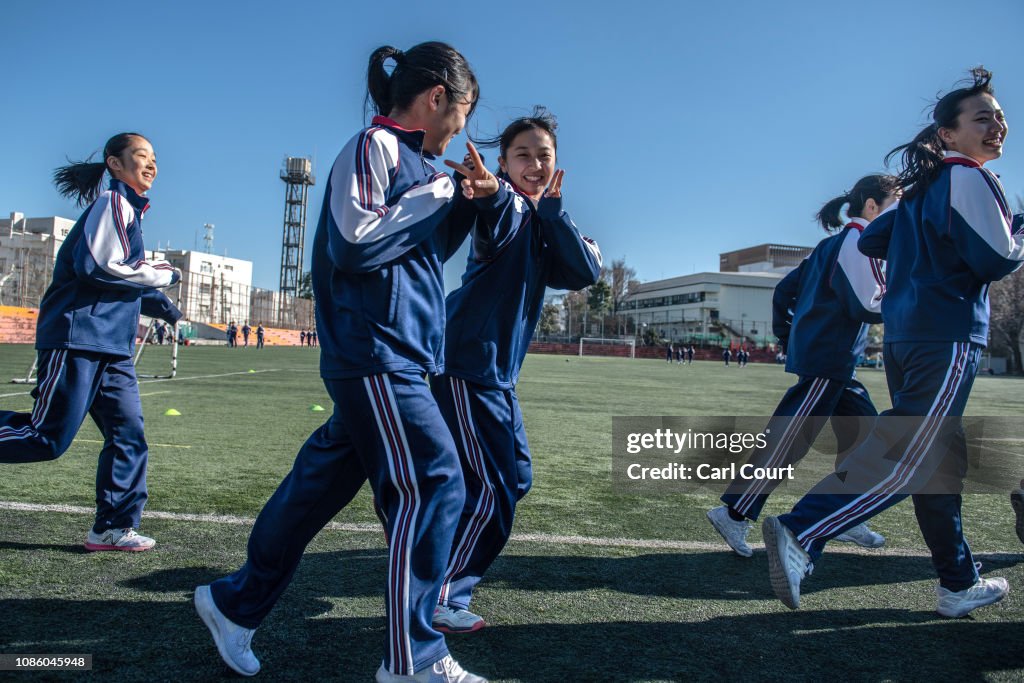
x: 616, y: 605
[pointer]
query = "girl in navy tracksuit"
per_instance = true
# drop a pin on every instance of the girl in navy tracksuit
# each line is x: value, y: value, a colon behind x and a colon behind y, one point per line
x: 821, y: 314
x: 944, y: 243
x: 522, y: 243
x: 389, y: 221
x: 85, y: 335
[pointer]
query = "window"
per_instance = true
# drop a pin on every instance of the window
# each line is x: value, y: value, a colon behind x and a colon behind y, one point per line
x: 227, y: 267
x: 205, y: 267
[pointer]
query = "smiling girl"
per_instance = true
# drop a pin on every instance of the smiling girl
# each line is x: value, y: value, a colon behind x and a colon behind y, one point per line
x: 85, y: 336
x: 522, y: 243
x: 945, y: 242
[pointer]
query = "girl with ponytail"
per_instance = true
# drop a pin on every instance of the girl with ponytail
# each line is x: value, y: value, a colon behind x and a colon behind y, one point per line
x: 85, y: 336
x: 389, y: 222
x: 822, y: 310
x: 523, y: 242
x: 948, y: 238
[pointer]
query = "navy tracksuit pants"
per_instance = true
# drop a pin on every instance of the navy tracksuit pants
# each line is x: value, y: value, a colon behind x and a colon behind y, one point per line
x: 488, y: 428
x: 929, y: 384
x: 385, y: 428
x: 799, y: 418
x: 71, y: 384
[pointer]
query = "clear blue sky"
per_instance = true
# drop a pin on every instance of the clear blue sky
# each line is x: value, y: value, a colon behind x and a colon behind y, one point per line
x: 687, y: 128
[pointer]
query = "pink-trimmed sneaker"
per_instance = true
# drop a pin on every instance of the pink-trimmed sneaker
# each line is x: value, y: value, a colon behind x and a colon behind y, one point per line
x: 126, y: 540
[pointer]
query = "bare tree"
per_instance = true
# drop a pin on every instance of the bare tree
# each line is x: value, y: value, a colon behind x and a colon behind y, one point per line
x: 1006, y: 320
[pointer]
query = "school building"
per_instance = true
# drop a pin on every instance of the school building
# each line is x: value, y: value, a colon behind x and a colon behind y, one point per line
x: 706, y: 307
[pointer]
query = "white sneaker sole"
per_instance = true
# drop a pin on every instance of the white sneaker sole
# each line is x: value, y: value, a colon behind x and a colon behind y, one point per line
x: 721, y: 532
x: 205, y: 606
x: 775, y: 543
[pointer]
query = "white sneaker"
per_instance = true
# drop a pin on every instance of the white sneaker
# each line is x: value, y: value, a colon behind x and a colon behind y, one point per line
x: 118, y: 539
x: 445, y: 670
x: 788, y: 563
x: 451, y: 620
x: 231, y: 639
x: 863, y: 536
x: 735, y: 533
x: 960, y: 603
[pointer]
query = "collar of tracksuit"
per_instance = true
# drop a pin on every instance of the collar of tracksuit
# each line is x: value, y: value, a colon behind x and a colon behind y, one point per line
x: 960, y: 159
x: 858, y: 224
x: 138, y: 202
x: 412, y: 138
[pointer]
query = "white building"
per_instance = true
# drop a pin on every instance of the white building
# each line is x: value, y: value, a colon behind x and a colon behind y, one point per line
x: 730, y: 305
x: 28, y: 247
x: 214, y: 289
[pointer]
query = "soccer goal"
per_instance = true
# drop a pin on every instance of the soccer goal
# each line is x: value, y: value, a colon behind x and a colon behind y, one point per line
x: 595, y: 346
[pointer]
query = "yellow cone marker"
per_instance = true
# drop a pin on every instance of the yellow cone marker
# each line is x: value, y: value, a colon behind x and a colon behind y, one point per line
x: 316, y: 408
x: 251, y: 371
x: 172, y: 411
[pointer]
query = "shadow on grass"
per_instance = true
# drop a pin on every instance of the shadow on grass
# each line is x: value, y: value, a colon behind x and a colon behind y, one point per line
x: 78, y: 549
x: 144, y: 641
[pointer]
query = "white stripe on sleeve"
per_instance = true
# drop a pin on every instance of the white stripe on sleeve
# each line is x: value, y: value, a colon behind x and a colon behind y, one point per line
x: 977, y: 201
x: 359, y: 183
x: 106, y: 234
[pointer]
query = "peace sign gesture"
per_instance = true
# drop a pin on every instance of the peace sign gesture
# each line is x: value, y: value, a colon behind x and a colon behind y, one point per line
x: 555, y: 187
x: 479, y: 182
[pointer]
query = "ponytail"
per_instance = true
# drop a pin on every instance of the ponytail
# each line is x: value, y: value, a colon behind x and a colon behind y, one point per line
x: 876, y: 186
x: 921, y: 159
x: 421, y: 68
x: 82, y: 180
x: 829, y: 214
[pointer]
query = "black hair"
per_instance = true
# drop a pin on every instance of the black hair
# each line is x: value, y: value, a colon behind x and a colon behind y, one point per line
x: 540, y: 119
x: 80, y: 180
x: 922, y: 157
x: 419, y: 69
x: 876, y: 186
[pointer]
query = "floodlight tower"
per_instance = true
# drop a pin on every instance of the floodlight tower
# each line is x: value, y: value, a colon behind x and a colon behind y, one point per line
x: 297, y: 175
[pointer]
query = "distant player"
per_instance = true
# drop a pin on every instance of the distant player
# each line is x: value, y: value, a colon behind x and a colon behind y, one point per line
x: 389, y: 222
x: 945, y: 242
x: 85, y: 337
x: 833, y: 295
x: 522, y: 244
x: 689, y: 355
x: 302, y: 337
x: 259, y: 335
x: 727, y: 356
x: 246, y: 331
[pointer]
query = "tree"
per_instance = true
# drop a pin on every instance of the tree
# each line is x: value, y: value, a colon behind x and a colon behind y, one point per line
x: 1006, y: 320
x: 622, y: 281
x: 575, y: 304
x: 549, y: 319
x: 306, y: 286
x: 599, y: 299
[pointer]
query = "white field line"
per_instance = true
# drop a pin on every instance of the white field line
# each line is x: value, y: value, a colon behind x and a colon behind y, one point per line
x: 553, y: 539
x: 148, y: 443
x: 168, y: 379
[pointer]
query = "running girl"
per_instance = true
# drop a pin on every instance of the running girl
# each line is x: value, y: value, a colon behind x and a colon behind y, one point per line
x: 389, y: 221
x: 821, y: 314
x: 85, y: 337
x: 947, y: 239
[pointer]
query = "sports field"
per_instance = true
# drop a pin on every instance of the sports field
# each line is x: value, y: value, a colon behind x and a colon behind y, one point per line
x: 595, y: 586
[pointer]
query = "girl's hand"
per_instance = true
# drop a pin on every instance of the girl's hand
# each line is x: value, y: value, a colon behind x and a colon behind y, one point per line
x: 555, y: 187
x: 479, y: 182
